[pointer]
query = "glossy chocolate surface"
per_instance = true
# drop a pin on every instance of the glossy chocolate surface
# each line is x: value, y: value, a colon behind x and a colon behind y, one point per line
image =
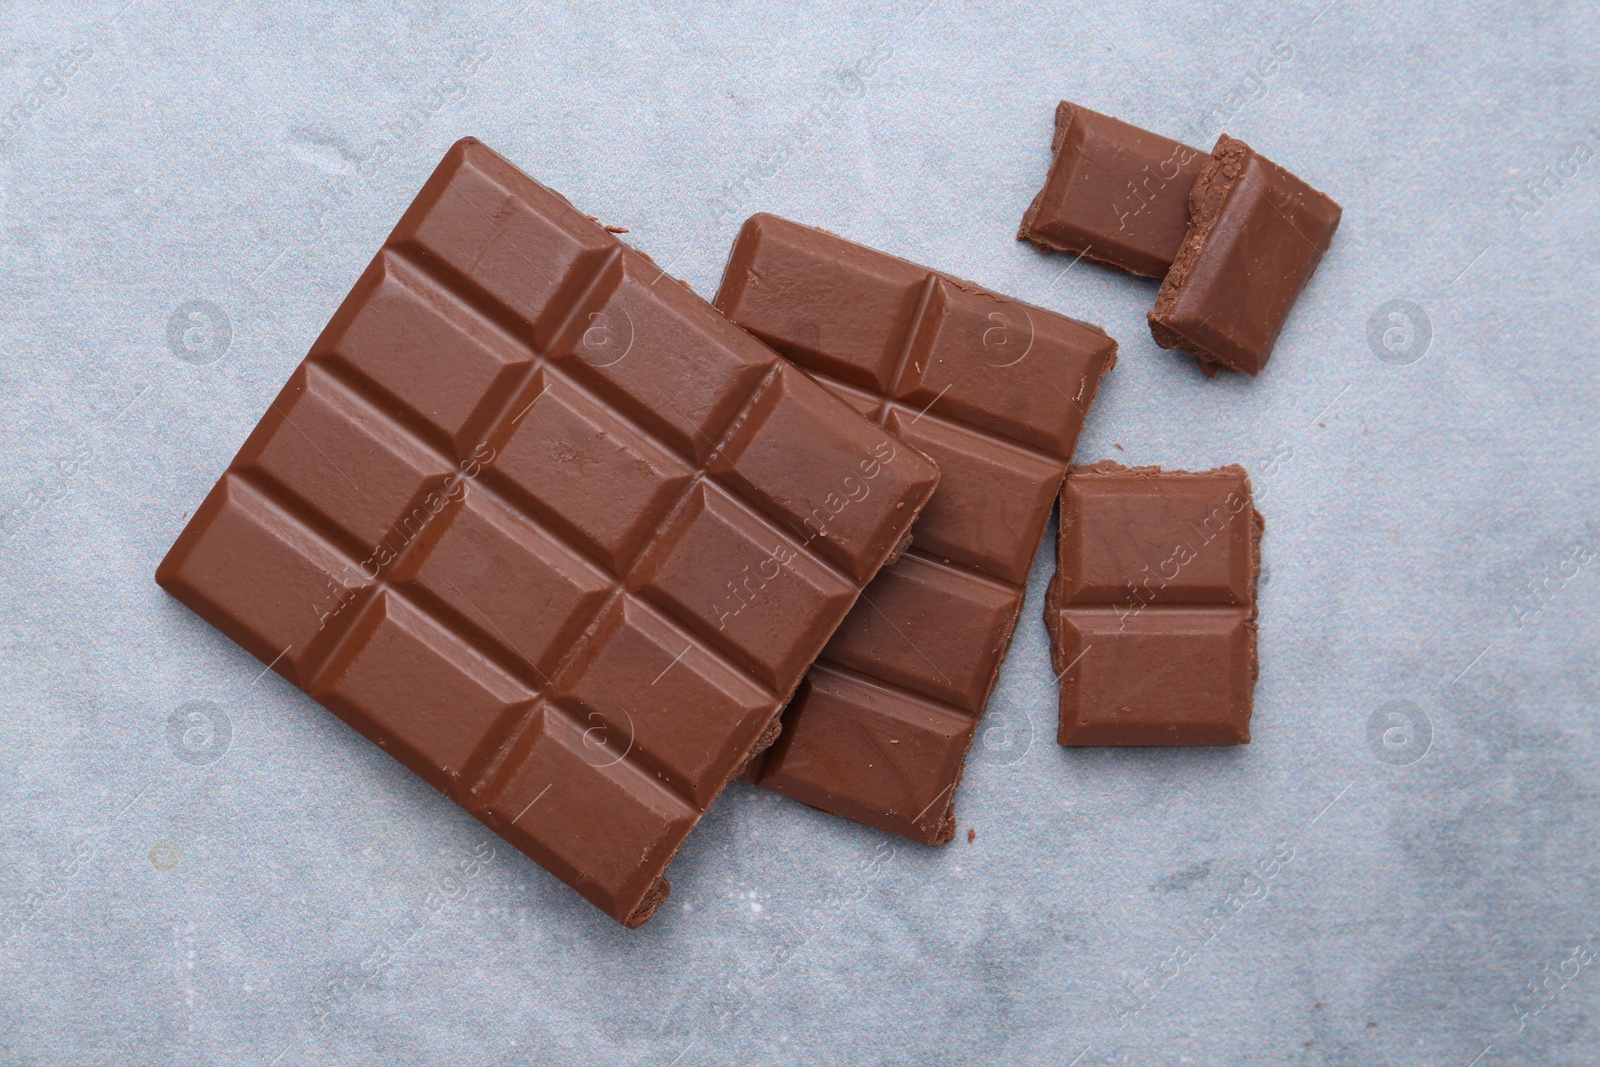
x: 996, y: 392
x: 1115, y: 193
x: 1152, y: 610
x: 1255, y: 237
x: 540, y: 523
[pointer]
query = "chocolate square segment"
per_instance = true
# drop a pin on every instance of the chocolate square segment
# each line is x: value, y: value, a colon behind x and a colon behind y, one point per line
x: 416, y: 690
x: 1161, y: 537
x: 996, y: 391
x: 685, y: 711
x: 1182, y: 676
x: 873, y: 753
x: 972, y: 357
x: 621, y: 349
x: 264, y: 577
x: 931, y: 628
x: 1115, y: 193
x: 331, y: 448
x: 589, y: 471
x: 1152, y: 611
x: 835, y: 308
x: 989, y: 489
x: 516, y: 250
x: 810, y: 468
x: 537, y: 618
x: 744, y: 586
x: 398, y: 333
x: 531, y: 517
x: 573, y: 800
x: 1256, y: 235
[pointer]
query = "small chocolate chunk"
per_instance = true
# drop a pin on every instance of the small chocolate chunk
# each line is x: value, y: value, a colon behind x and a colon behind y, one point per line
x: 1256, y: 235
x: 1152, y: 611
x: 1115, y: 193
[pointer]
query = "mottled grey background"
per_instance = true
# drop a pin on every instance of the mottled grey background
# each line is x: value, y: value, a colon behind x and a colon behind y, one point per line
x: 199, y: 866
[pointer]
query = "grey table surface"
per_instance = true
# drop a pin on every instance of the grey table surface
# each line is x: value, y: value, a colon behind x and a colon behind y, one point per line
x: 200, y: 866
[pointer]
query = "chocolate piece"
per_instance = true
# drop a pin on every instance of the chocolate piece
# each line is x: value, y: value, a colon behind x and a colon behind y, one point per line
x: 1152, y: 610
x: 995, y: 391
x: 1256, y: 235
x: 544, y: 526
x: 1115, y: 193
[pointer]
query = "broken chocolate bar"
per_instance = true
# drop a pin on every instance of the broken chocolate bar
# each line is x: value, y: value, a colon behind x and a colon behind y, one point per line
x: 996, y: 392
x: 1115, y: 193
x: 1152, y: 610
x: 540, y: 523
x: 1256, y: 235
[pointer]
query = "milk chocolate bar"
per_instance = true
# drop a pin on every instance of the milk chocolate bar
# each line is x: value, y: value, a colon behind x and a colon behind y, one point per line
x: 996, y: 392
x: 545, y: 527
x: 1152, y: 610
x: 1115, y: 193
x: 1256, y: 234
